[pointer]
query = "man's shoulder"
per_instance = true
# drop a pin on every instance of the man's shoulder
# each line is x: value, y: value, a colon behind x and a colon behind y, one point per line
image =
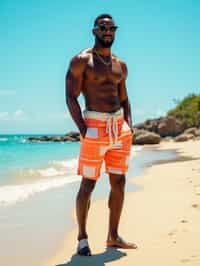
x: 82, y: 56
x: 80, y: 60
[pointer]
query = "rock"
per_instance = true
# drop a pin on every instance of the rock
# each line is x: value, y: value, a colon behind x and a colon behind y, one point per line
x: 190, y: 136
x: 72, y: 136
x: 192, y: 130
x: 198, y: 132
x: 32, y: 139
x: 69, y: 138
x: 56, y: 138
x: 42, y: 138
x: 170, y: 126
x: 147, y: 138
x: 138, y: 132
x: 164, y: 126
x: 184, y: 137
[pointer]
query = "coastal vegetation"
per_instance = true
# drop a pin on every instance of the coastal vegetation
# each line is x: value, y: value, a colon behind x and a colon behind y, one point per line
x: 188, y: 110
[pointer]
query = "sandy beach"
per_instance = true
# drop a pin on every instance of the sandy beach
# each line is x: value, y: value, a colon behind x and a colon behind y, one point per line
x: 162, y: 218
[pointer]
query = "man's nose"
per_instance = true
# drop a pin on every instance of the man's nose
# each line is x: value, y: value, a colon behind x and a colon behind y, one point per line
x: 108, y: 30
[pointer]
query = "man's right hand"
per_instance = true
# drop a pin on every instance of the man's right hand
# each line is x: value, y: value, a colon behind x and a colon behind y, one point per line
x: 83, y: 132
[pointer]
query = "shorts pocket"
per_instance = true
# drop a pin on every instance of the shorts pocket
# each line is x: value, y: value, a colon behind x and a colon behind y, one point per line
x: 92, y: 132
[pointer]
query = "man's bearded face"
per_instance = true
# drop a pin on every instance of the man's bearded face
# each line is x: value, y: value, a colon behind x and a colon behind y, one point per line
x: 105, y: 32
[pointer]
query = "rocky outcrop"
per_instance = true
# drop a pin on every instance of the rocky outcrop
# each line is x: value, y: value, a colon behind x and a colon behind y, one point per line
x: 193, y: 130
x: 149, y: 132
x: 142, y: 137
x: 71, y: 136
x: 184, y: 137
x: 189, y: 133
x: 164, y: 126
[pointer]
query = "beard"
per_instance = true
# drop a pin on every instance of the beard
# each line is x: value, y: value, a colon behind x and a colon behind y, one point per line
x: 105, y: 44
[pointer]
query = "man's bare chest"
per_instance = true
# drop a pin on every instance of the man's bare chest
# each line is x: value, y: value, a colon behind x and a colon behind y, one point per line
x: 97, y: 71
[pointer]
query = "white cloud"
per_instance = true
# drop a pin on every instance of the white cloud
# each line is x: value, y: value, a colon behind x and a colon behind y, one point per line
x: 19, y: 115
x: 14, y: 116
x: 4, y: 116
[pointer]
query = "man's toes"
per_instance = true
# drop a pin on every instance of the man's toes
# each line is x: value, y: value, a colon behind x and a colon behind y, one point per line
x: 120, y: 243
x: 133, y: 246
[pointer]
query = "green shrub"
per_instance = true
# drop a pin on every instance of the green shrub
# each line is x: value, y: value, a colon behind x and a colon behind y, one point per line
x: 188, y: 110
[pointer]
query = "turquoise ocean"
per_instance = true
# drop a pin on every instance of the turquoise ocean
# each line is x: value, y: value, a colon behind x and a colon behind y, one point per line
x: 27, y: 168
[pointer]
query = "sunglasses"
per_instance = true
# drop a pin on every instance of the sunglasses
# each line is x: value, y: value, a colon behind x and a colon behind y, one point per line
x: 105, y: 28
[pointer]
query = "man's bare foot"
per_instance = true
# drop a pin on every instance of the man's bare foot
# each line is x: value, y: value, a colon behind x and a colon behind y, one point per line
x: 120, y: 243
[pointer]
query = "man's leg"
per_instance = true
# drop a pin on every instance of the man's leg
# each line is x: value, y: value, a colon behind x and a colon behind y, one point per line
x: 115, y: 205
x: 83, y: 204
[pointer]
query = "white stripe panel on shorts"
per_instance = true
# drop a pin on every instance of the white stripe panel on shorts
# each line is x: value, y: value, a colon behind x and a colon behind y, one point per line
x: 88, y: 171
x: 114, y: 171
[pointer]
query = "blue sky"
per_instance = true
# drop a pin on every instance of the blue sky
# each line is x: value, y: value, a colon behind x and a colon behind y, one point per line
x: 159, y: 41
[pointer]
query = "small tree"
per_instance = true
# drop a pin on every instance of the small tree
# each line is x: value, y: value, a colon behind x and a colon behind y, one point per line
x: 188, y: 110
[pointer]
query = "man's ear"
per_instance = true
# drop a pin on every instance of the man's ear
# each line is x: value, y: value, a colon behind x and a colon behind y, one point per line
x: 94, y: 32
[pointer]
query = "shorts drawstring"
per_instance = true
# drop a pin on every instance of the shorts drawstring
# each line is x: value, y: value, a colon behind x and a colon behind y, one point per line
x: 112, y: 127
x: 111, y: 120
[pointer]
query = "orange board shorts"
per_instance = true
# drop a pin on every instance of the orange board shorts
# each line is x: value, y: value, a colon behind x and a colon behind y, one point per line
x: 109, y: 139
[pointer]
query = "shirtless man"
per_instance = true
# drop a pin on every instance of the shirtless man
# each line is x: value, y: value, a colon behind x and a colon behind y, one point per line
x: 105, y: 128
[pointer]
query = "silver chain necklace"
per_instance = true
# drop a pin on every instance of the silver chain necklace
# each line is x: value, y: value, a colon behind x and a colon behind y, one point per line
x: 102, y: 60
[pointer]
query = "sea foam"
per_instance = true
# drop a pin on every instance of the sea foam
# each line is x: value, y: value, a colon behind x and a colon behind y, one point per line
x: 57, y: 174
x: 12, y: 193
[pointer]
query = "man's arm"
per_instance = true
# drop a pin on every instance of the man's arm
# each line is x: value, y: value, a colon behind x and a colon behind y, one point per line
x: 122, y: 91
x: 73, y: 85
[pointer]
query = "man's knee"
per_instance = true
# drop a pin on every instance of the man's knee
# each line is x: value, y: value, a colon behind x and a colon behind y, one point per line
x: 86, y: 187
x: 117, y: 181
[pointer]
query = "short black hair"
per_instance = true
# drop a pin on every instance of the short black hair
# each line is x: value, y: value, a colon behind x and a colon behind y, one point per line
x: 105, y: 15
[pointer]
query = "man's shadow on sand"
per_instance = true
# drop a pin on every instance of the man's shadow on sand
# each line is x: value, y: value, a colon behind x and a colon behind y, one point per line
x: 110, y: 254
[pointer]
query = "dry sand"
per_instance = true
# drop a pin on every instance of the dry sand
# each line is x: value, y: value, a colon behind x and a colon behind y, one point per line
x: 163, y: 218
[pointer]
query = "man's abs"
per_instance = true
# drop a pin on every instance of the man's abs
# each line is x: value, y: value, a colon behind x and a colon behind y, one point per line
x: 101, y: 100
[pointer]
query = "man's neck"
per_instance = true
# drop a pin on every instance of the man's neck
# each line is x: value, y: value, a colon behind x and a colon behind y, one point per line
x: 102, y: 50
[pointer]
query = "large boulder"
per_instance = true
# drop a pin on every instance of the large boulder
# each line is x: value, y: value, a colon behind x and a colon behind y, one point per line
x: 192, y: 130
x: 164, y: 126
x: 184, y: 137
x: 146, y: 137
x: 170, y: 126
x: 41, y: 138
x: 198, y: 132
x: 70, y: 138
x: 138, y: 132
x: 56, y: 138
x: 73, y: 134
